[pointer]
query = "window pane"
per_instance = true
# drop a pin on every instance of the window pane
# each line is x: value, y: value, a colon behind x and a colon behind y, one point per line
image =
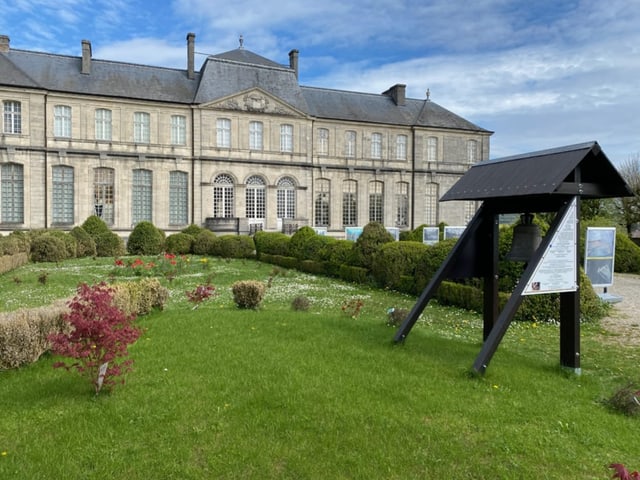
x: 255, y: 135
x: 12, y: 117
x: 350, y: 144
x: 104, y: 194
x: 12, y: 193
x: 178, y: 198
x: 223, y: 126
x: 349, y: 204
x: 472, y: 151
x: 402, y: 204
x: 141, y: 127
x: 178, y: 130
x: 401, y: 147
x: 286, y: 195
x: 62, y: 121
x: 256, y: 197
x: 323, y: 141
x: 141, y: 198
x: 103, y: 124
x: 376, y: 199
x: 432, y: 149
x: 322, y: 203
x: 62, y: 196
x: 286, y: 138
x: 376, y: 145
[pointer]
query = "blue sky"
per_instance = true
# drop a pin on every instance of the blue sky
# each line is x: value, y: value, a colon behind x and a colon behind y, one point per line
x: 539, y: 73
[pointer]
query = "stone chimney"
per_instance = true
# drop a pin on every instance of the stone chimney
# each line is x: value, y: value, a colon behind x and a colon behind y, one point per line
x: 86, y: 57
x: 398, y: 94
x: 293, y: 61
x: 191, y: 54
x: 4, y: 43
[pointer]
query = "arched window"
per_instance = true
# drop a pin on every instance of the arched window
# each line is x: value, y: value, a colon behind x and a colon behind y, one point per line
x: 376, y: 202
x: 256, y: 197
x: 286, y: 195
x: 223, y: 196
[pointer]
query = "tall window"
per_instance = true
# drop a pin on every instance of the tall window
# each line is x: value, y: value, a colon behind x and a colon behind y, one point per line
x: 402, y: 204
x: 322, y: 203
x: 256, y: 197
x: 431, y: 204
x: 103, y: 192
x: 323, y: 141
x: 178, y: 130
x: 223, y: 133
x: 349, y: 203
x: 62, y: 121
x: 286, y: 138
x: 472, y: 151
x: 223, y: 196
x: 401, y: 147
x: 62, y: 195
x: 376, y: 202
x: 12, y: 117
x: 255, y: 135
x: 141, y: 196
x: 286, y: 195
x: 12, y: 193
x: 141, y: 127
x: 432, y: 149
x: 178, y: 198
x: 350, y: 144
x: 103, y: 124
x: 376, y: 145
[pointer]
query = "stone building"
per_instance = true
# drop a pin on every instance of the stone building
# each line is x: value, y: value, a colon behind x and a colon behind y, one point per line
x: 237, y: 146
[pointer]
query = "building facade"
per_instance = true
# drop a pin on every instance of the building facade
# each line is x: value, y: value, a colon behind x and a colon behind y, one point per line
x: 239, y: 145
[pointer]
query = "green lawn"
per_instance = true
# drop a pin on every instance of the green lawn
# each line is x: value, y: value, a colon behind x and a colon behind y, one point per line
x: 219, y: 392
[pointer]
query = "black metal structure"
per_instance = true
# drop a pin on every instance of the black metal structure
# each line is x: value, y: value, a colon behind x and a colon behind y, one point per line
x: 545, y: 181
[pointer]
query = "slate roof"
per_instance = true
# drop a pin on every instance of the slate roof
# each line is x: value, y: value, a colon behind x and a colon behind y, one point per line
x: 544, y: 173
x: 221, y: 76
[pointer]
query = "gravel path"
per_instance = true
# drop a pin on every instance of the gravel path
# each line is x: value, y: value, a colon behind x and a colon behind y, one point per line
x: 624, y: 319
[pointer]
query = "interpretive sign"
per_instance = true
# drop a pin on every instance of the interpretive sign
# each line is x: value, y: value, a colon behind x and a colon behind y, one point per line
x: 600, y: 255
x: 352, y: 233
x: 430, y: 235
x: 453, y: 232
x: 557, y: 269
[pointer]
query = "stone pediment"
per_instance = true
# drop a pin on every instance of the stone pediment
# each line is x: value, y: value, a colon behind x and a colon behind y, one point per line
x: 255, y: 101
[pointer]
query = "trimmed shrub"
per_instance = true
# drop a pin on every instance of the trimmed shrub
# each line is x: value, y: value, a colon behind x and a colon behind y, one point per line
x: 353, y: 274
x: 431, y: 260
x: 109, y: 244
x: 627, y: 259
x: 234, y: 246
x: 304, y: 244
x: 337, y: 253
x: 179, y: 243
x: 193, y: 230
x: 11, y: 262
x: 301, y: 303
x: 205, y: 243
x: 373, y: 236
x: 86, y: 246
x: 415, y: 235
x: 145, y: 239
x: 140, y: 297
x: 70, y: 243
x: 24, y: 332
x: 396, y: 260
x: 272, y: 243
x: 95, y: 226
x: 248, y: 293
x: 48, y: 248
x: 312, y: 266
x: 286, y: 262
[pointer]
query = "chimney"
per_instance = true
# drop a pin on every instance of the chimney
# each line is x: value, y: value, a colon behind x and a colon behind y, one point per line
x: 293, y: 61
x: 191, y: 45
x: 397, y: 93
x: 4, y: 43
x: 86, y: 57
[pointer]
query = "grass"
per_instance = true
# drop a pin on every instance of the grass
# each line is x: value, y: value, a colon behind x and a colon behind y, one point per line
x: 219, y: 392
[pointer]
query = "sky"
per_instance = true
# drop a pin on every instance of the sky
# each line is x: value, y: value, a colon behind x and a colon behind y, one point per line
x: 539, y: 73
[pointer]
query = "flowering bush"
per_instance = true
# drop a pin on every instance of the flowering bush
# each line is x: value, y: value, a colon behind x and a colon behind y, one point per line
x: 200, y: 294
x: 352, y: 307
x: 99, y: 337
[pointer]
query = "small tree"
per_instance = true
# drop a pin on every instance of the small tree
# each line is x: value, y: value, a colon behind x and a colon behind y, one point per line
x: 99, y: 337
x: 630, y: 206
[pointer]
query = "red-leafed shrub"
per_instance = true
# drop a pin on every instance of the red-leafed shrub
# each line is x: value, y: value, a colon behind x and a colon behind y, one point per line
x: 99, y: 338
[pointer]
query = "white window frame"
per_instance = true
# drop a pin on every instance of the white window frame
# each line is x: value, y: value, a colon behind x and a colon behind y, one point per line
x: 12, y: 193
x: 178, y: 197
x: 402, y: 204
x: 255, y: 135
x: 401, y: 147
x: 103, y: 123
x: 350, y: 203
x: 62, y: 121
x: 376, y: 202
x: 376, y: 145
x: 472, y: 151
x: 141, y: 127
x: 223, y: 133
x: 323, y: 141
x: 286, y: 138
x: 432, y: 149
x: 12, y: 113
x: 223, y: 192
x: 256, y: 198
x: 178, y: 130
x: 350, y: 139
x: 286, y: 198
x: 62, y: 195
x: 322, y: 203
x: 104, y: 193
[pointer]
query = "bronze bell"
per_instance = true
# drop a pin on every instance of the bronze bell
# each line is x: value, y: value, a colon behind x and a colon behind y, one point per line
x: 526, y: 238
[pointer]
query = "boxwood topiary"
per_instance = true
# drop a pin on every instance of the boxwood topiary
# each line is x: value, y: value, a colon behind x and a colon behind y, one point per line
x: 86, y: 244
x: 205, y: 243
x: 48, y: 248
x: 373, y: 236
x: 179, y: 243
x: 145, y: 239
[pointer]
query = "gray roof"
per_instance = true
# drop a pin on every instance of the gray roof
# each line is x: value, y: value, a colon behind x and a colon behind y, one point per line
x: 546, y: 173
x: 221, y: 76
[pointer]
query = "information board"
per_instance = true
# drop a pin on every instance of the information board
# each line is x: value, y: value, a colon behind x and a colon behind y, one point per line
x: 557, y: 269
x: 600, y: 255
x: 430, y: 235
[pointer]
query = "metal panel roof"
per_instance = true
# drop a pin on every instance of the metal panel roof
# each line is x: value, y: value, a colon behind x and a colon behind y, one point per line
x: 544, y: 173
